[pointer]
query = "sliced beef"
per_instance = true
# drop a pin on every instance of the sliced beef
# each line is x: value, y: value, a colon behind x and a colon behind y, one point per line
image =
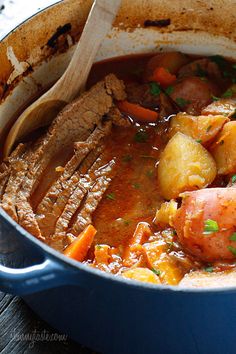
x: 75, y: 123
x: 52, y: 205
x: 10, y: 179
x: 83, y: 189
x: 84, y: 218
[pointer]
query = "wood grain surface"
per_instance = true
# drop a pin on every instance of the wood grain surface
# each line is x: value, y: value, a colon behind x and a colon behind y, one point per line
x: 22, y: 332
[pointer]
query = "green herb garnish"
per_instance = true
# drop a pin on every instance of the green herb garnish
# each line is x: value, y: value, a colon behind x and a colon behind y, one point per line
x: 155, y: 89
x: 209, y: 269
x: 148, y: 157
x: 182, y: 102
x: 210, y: 226
x: 141, y: 136
x: 199, y: 141
x: 234, y: 66
x: 150, y: 173
x: 234, y: 115
x: 136, y: 185
x: 233, y: 237
x: 208, y: 128
x: 127, y: 158
x: 200, y: 71
x: 219, y: 60
x: 169, y: 90
x: 229, y: 93
x: 232, y: 250
x: 214, y: 98
x: 170, y: 245
x: 157, y: 272
x: 127, y: 222
x: 111, y: 196
x: 233, y: 178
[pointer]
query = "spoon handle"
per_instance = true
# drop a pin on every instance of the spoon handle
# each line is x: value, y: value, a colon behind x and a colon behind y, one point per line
x: 99, y: 22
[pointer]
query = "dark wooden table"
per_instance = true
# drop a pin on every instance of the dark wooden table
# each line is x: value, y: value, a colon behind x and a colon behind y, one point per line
x: 19, y: 326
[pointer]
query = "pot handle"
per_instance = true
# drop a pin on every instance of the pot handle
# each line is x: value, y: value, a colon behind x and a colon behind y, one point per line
x: 49, y: 274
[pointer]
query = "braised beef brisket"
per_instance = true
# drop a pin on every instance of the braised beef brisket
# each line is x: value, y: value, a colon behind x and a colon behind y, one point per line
x: 75, y: 192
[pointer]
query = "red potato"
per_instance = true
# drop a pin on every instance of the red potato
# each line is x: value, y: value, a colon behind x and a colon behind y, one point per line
x: 172, y: 61
x: 197, y: 209
x: 192, y: 94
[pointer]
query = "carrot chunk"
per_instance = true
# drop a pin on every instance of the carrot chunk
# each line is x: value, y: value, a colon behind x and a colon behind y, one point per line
x: 163, y: 77
x: 137, y: 112
x: 79, y: 248
x: 134, y: 249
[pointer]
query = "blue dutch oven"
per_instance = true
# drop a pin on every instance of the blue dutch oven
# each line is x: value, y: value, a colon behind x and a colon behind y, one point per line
x: 110, y: 314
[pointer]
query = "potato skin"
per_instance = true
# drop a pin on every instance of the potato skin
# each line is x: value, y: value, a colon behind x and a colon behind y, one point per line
x: 202, y: 128
x: 184, y: 165
x: 224, y: 149
x: 196, y: 93
x: 218, y: 204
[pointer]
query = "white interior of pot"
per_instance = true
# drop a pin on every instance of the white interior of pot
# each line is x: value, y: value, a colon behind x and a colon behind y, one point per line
x: 117, y: 43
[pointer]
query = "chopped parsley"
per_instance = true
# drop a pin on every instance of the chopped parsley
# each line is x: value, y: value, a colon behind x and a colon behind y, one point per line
x: 209, y: 269
x: 199, y: 141
x: 169, y: 90
x: 208, y: 128
x: 127, y: 158
x: 233, y: 178
x: 229, y: 93
x: 155, y: 89
x: 232, y: 250
x: 111, y: 196
x: 219, y: 60
x: 214, y: 98
x: 234, y: 115
x: 200, y: 71
x: 148, y: 157
x: 233, y: 237
x: 149, y: 173
x: 157, y: 272
x: 210, y: 226
x: 170, y: 245
x: 136, y: 185
x: 141, y: 136
x: 234, y: 66
x: 182, y: 102
x: 127, y: 222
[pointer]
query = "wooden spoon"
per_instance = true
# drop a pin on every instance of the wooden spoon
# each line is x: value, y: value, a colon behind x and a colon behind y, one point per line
x: 73, y: 81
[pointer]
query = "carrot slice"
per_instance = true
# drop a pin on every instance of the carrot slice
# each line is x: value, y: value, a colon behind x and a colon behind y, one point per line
x: 134, y: 249
x: 137, y: 112
x: 163, y: 77
x: 79, y: 248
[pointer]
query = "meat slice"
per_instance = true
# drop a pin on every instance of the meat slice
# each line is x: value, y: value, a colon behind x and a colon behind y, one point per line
x: 74, y: 123
x: 52, y: 205
x: 84, y: 218
x: 96, y: 179
x: 10, y: 177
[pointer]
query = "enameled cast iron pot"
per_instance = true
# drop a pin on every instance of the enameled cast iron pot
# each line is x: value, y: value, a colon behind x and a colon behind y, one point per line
x: 103, y: 312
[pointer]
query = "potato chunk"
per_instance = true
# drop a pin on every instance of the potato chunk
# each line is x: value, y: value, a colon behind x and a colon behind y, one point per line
x: 161, y: 262
x: 142, y: 274
x: 184, y: 165
x: 201, y: 128
x: 166, y: 213
x: 223, y: 150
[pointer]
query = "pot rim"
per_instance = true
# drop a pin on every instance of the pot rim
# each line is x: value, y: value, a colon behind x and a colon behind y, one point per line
x: 96, y: 273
